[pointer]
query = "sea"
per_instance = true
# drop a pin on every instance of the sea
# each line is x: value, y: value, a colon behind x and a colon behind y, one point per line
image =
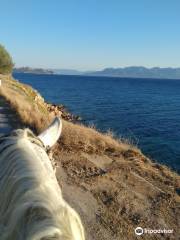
x: 144, y: 111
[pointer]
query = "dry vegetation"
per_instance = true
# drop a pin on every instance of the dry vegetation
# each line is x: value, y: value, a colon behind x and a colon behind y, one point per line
x: 21, y: 99
x: 113, y: 186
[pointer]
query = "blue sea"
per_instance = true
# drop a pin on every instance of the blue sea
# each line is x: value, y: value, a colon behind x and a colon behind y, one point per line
x: 146, y: 111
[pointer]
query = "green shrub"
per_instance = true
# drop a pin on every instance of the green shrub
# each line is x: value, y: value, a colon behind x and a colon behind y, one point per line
x: 6, y: 63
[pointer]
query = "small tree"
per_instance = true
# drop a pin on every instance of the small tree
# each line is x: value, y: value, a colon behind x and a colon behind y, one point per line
x: 6, y: 63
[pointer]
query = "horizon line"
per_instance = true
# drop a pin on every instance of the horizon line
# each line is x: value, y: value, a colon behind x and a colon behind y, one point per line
x: 99, y: 69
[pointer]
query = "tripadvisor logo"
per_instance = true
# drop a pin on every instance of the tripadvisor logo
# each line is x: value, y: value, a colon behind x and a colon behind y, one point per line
x: 139, y: 231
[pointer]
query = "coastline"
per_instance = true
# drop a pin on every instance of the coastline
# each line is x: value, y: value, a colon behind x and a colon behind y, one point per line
x: 139, y: 111
x: 116, y: 187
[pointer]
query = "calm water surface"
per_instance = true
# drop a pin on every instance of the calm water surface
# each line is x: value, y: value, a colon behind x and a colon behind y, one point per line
x: 145, y: 110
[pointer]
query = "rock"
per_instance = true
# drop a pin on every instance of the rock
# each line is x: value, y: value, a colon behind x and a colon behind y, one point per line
x: 59, y: 110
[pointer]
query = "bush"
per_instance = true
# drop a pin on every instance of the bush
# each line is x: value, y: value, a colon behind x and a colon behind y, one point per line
x: 6, y: 63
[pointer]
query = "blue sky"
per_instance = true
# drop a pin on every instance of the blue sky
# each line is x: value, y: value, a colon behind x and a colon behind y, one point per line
x: 91, y: 34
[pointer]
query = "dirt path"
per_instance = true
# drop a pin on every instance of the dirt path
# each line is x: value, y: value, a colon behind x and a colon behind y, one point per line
x: 8, y: 118
x: 114, y: 195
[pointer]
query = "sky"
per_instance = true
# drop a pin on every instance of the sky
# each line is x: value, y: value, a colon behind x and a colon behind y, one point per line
x: 91, y: 34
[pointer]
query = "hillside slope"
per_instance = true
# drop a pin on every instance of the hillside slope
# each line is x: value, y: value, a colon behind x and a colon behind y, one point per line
x: 113, y: 186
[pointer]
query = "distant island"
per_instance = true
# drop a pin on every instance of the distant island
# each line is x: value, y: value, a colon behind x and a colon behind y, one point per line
x: 126, y: 72
x: 32, y: 70
x: 47, y: 71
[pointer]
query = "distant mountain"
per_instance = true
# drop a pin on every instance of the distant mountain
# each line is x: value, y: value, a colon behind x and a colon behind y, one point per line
x: 67, y: 72
x: 131, y: 72
x: 139, y: 72
x: 32, y: 70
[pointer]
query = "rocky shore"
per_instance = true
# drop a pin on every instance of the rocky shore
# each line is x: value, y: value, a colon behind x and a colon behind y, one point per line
x: 55, y: 109
x: 60, y: 110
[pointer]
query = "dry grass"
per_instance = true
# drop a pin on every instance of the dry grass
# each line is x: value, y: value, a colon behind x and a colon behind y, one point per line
x: 29, y: 114
x: 79, y: 137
